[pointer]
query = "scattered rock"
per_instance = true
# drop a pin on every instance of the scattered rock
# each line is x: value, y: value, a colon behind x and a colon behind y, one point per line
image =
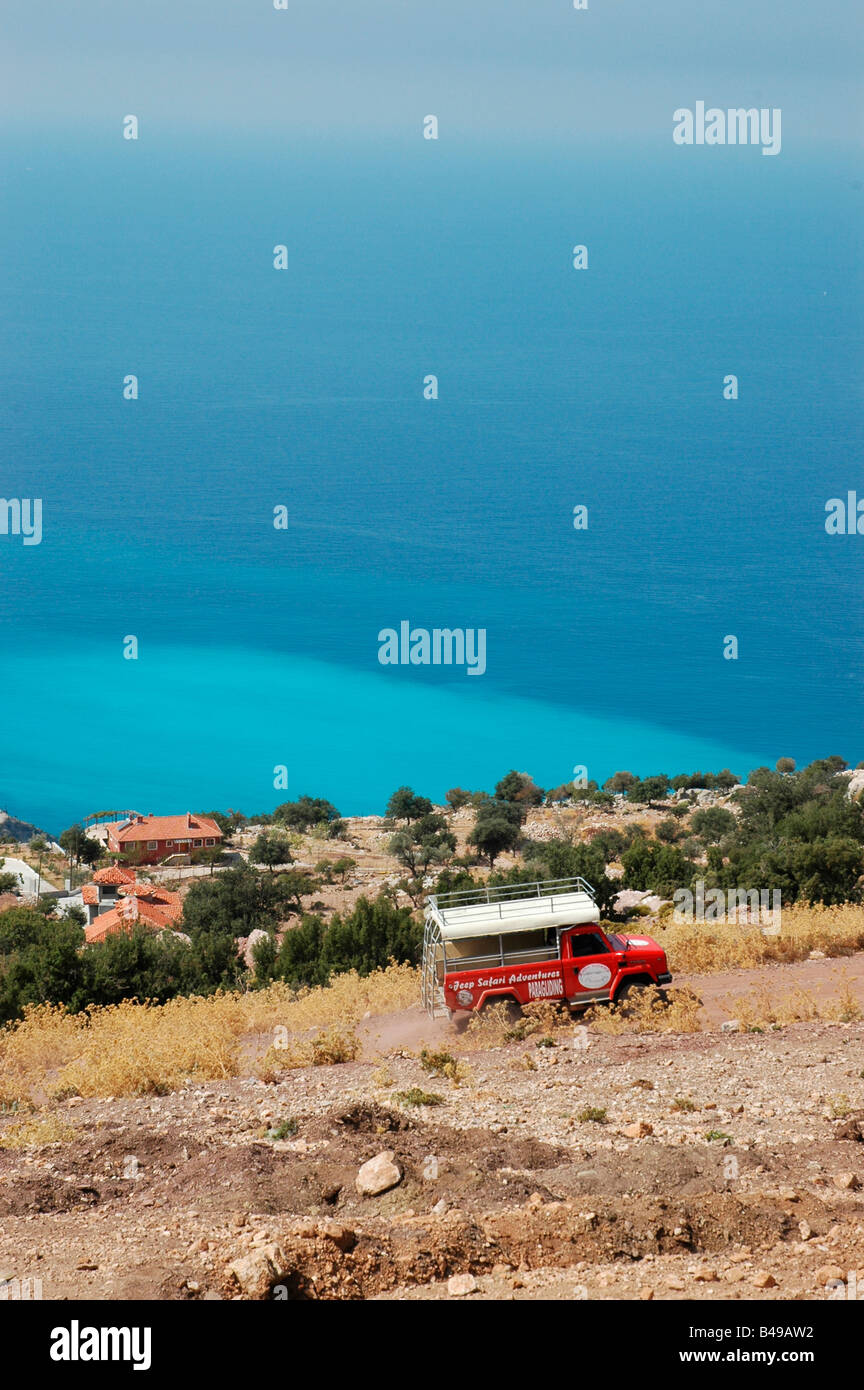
x: 763, y: 1280
x: 341, y: 1235
x: 257, y: 1272
x: 846, y: 1181
x: 460, y: 1284
x: 378, y: 1175
x: 638, y: 1130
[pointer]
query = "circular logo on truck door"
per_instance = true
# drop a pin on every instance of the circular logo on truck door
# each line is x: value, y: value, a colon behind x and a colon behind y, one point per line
x: 594, y: 976
x: 465, y: 997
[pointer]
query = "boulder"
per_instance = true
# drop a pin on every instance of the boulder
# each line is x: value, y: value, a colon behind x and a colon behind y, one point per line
x: 251, y: 942
x: 460, y: 1284
x: 846, y: 1181
x: 638, y: 1130
x: 378, y: 1175
x: 257, y: 1272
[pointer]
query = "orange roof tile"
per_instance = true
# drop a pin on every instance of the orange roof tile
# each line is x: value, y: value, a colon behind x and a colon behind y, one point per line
x: 167, y: 828
x: 158, y: 916
x: 114, y: 874
x: 152, y: 892
x: 90, y: 893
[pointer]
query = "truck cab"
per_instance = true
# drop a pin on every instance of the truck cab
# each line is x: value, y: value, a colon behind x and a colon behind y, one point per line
x: 523, y: 942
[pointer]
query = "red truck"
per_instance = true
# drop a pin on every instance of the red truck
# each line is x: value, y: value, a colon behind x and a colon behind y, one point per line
x: 528, y: 941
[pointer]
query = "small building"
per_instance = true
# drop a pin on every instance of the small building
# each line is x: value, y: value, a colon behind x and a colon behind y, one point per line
x: 140, y: 904
x: 101, y: 894
x: 149, y: 839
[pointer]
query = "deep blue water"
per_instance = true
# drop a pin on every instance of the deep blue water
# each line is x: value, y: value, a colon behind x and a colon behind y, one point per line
x: 259, y: 647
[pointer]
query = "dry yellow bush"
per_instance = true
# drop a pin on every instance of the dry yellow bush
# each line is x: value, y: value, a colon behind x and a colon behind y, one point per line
x: 344, y: 1001
x: 38, y: 1045
x: 495, y: 1025
x: 35, y: 1132
x: 760, y: 1009
x: 328, y: 1048
x: 648, y: 1011
x: 138, y: 1048
x: 443, y: 1063
x: 701, y: 947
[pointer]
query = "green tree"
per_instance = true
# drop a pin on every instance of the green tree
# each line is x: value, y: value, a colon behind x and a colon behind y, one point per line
x: 405, y: 805
x: 305, y: 812
x: 234, y: 903
x: 712, y: 823
x: 649, y: 790
x: 556, y: 859
x: 264, y: 955
x: 457, y: 797
x: 271, y: 849
x: 494, y: 832
x: 669, y: 830
x: 620, y: 782
x: 229, y: 822
x: 9, y: 882
x: 79, y: 847
x: 213, y: 855
x: 655, y: 868
x: 343, y: 866
x: 365, y: 939
x: 426, y: 841
x: 520, y: 789
x: 140, y: 964
x: 40, y: 961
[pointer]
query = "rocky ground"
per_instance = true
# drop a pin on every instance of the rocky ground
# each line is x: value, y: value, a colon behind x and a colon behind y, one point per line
x: 702, y: 1166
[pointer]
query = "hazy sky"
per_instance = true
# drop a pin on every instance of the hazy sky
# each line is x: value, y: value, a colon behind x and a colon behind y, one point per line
x: 498, y: 68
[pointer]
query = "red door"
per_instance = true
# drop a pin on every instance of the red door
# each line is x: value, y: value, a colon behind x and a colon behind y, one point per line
x: 590, y: 966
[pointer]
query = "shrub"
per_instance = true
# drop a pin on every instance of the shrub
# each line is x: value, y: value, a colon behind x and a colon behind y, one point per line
x: 416, y: 1096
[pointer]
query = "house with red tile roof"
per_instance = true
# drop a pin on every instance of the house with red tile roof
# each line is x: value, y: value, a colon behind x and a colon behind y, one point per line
x: 102, y: 892
x: 109, y: 894
x: 141, y: 904
x: 149, y: 839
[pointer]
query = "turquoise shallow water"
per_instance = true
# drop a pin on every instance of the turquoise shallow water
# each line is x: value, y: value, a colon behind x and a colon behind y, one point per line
x: 346, y: 735
x: 304, y: 388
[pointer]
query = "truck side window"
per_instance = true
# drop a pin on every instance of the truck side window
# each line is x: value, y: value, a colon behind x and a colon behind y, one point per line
x: 588, y: 944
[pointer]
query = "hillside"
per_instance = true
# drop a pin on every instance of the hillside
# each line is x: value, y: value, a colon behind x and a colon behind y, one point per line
x: 568, y: 1162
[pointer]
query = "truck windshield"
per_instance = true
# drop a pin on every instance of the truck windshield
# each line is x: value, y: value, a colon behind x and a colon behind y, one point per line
x: 619, y: 943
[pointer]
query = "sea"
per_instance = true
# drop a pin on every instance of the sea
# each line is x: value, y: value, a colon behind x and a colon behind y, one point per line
x: 257, y: 676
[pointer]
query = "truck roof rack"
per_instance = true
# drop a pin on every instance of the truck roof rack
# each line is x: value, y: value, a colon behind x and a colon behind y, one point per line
x: 512, y: 907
